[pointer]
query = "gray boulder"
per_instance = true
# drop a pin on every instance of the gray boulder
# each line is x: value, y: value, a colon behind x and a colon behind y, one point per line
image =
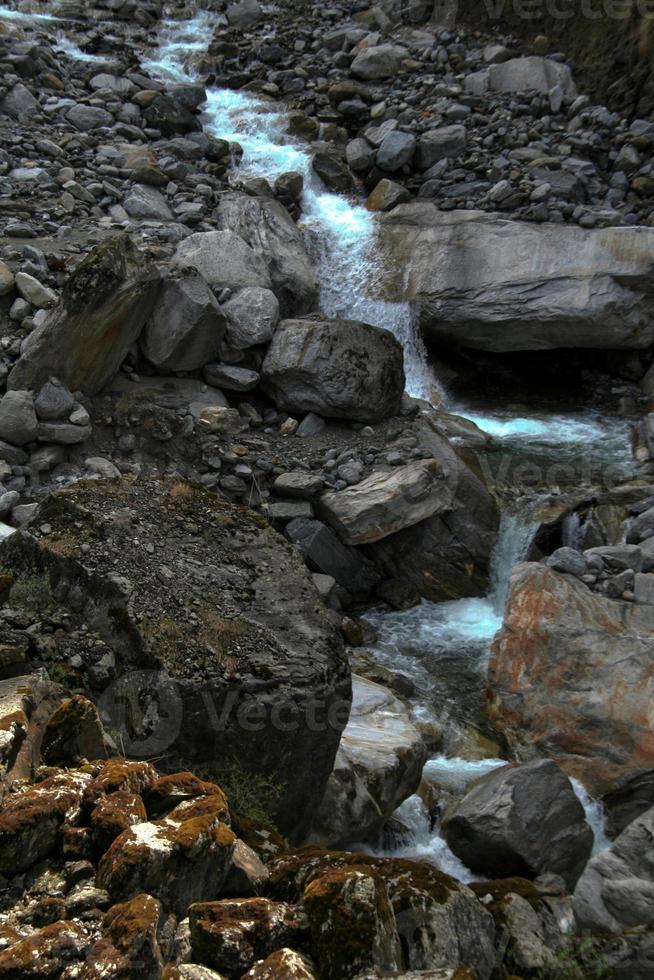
x: 147, y: 203
x: 378, y: 765
x: 244, y: 14
x: 324, y: 552
x: 100, y: 314
x: 616, y: 890
x: 335, y: 368
x: 185, y: 327
x: 521, y: 821
x: 396, y: 150
x: 568, y: 561
x: 632, y: 796
x: 87, y: 118
x: 252, y: 316
x: 231, y: 377
x: 274, y: 237
x: 448, y: 555
x: 223, y: 259
x: 54, y: 401
x: 439, y: 144
x: 531, y: 74
x: 18, y: 422
x: 20, y: 104
x: 380, y: 61
x: 171, y: 116
x: 35, y: 292
x: 476, y: 280
x: 360, y: 155
x: 386, y: 502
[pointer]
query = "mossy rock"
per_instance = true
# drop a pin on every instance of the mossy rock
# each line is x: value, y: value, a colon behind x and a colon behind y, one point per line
x: 113, y: 814
x: 231, y: 935
x: 74, y: 732
x: 45, y: 954
x: 352, y: 923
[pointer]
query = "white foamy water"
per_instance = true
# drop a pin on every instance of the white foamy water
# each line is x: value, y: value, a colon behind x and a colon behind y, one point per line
x: 584, y: 434
x: 423, y: 844
x: 341, y: 234
x: 455, y: 774
x: 68, y: 47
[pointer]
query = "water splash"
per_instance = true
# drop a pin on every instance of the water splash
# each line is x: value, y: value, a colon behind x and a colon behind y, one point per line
x: 69, y: 48
x: 341, y: 235
x: 421, y: 843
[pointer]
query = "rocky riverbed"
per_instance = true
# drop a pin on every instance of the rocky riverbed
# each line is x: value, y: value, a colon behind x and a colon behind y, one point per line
x: 326, y: 494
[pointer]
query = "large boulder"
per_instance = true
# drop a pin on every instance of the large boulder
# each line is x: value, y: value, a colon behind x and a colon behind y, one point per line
x: 379, y: 61
x: 100, y: 314
x: 274, y: 237
x: 18, y: 421
x: 335, y: 368
x: 616, y: 891
x: 632, y: 796
x: 185, y: 328
x: 324, y: 552
x: 477, y: 280
x: 223, y: 259
x: 252, y: 316
x: 521, y: 821
x: 531, y: 74
x: 439, y: 921
x: 378, y: 765
x: 217, y: 649
x: 447, y: 555
x: 571, y: 674
x: 387, y: 501
x: 233, y: 934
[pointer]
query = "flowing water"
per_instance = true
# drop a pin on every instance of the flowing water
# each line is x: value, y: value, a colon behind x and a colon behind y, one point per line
x: 341, y: 234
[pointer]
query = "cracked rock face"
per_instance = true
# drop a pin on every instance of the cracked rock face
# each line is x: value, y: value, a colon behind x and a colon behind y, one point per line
x: 216, y: 646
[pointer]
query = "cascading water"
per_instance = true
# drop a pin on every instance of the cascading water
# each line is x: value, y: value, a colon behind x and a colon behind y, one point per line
x: 341, y: 235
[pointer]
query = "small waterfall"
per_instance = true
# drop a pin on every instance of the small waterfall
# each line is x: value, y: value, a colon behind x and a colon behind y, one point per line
x: 595, y: 816
x: 571, y: 530
x: 341, y: 236
x: 513, y: 544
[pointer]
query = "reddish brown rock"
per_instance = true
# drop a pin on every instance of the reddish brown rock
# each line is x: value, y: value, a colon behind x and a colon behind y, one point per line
x: 74, y: 732
x: 129, y: 948
x: 571, y: 674
x: 32, y: 820
x: 45, y: 954
x: 177, y: 787
x: 120, y: 775
x: 113, y: 814
x: 231, y: 935
x: 285, y: 964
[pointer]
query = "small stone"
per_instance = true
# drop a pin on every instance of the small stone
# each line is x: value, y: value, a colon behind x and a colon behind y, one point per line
x: 289, y: 427
x: 54, y: 401
x: 34, y: 292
